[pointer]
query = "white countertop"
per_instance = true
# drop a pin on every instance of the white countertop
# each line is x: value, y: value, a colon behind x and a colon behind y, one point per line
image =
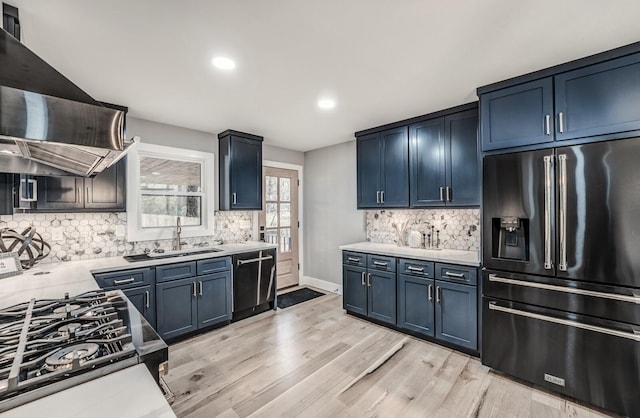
x: 466, y: 258
x: 130, y: 392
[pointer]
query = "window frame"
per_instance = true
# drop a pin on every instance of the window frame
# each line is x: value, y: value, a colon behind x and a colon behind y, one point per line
x: 135, y: 232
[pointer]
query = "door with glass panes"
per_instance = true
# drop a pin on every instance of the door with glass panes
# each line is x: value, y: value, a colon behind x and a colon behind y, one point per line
x: 279, y: 221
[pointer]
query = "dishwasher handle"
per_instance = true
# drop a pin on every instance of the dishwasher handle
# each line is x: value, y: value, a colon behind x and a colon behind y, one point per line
x: 254, y: 260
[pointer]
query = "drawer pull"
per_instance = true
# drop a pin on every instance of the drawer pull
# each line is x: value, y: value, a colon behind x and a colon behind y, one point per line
x: 419, y: 270
x: 125, y: 281
x: 355, y: 260
x: 380, y: 263
x: 456, y: 275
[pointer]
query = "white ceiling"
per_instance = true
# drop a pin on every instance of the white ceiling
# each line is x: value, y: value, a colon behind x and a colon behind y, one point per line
x: 383, y: 60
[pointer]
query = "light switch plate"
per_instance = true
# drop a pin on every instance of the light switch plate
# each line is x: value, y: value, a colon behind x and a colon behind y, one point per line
x: 57, y: 234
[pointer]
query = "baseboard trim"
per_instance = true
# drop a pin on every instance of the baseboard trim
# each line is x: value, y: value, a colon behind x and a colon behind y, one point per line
x: 321, y: 284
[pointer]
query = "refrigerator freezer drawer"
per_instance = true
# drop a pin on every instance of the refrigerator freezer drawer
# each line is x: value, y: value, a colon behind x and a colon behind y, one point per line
x: 592, y: 360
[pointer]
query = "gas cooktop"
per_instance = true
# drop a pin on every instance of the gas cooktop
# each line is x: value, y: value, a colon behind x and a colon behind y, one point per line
x: 51, y: 344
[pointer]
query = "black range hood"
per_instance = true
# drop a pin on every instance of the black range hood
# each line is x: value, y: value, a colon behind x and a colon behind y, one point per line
x: 48, y: 125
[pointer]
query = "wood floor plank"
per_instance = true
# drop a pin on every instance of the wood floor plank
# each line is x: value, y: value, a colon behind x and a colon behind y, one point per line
x: 313, y: 360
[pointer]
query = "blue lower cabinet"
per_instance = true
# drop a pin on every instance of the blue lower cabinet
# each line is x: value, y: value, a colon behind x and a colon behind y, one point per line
x: 214, y: 299
x: 177, y: 305
x: 456, y: 314
x: 144, y: 299
x: 416, y: 310
x: 354, y: 289
x: 382, y: 296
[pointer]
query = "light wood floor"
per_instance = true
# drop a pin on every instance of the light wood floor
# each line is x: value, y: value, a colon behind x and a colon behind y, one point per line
x: 313, y: 360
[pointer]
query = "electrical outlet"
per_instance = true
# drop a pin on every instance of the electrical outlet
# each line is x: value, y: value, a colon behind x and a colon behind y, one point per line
x: 245, y: 224
x: 57, y: 234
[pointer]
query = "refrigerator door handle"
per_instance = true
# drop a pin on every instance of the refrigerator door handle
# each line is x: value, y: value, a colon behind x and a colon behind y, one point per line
x: 584, y: 292
x: 547, y: 212
x: 562, y: 162
x: 629, y: 335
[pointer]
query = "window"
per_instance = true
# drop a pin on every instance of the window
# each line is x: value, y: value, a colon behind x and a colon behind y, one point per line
x: 165, y: 184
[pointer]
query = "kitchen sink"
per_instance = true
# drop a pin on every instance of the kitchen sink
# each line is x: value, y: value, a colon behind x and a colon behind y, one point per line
x: 170, y: 254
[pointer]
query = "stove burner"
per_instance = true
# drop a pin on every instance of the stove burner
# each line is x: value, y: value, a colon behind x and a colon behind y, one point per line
x: 66, y: 309
x: 69, y: 329
x: 63, y: 359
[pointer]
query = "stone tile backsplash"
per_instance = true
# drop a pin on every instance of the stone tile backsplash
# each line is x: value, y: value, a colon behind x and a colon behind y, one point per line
x: 95, y: 235
x: 459, y: 228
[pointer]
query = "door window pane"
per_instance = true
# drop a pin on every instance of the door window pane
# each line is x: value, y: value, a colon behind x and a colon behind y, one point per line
x: 285, y: 189
x: 285, y: 240
x: 170, y: 175
x: 271, y: 236
x: 272, y: 215
x: 162, y: 210
x: 285, y: 214
x: 272, y: 189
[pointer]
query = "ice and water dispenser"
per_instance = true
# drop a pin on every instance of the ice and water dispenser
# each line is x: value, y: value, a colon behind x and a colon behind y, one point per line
x: 510, y: 238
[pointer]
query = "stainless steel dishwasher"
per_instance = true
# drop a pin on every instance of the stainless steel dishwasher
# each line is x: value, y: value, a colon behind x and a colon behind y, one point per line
x: 254, y: 283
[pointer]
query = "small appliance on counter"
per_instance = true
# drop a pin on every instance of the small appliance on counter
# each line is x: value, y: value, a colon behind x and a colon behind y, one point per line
x: 49, y: 345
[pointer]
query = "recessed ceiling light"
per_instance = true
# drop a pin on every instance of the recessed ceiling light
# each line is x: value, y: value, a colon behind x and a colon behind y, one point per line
x: 6, y: 151
x: 223, y: 63
x: 326, y: 103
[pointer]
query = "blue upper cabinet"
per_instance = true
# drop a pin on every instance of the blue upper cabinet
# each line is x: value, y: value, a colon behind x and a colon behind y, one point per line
x: 518, y: 115
x: 240, y: 175
x: 383, y: 169
x: 444, y: 162
x: 599, y: 99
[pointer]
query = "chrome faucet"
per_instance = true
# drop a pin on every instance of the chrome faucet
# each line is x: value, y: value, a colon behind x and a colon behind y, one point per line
x: 177, y: 245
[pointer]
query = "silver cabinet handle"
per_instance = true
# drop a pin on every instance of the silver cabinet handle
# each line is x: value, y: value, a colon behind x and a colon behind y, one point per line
x: 77, y: 194
x: 382, y: 196
x: 547, y: 124
x: 31, y: 187
x: 362, y: 277
x: 629, y: 335
x: 430, y: 289
x: 194, y: 289
x: 380, y: 263
x: 88, y: 196
x: 613, y: 296
x: 125, y: 281
x: 456, y: 275
x: 234, y: 199
x: 438, y: 294
x: 378, y: 196
x: 442, y: 194
x: 419, y: 270
x: 200, y: 283
x: 369, y: 279
x: 547, y: 212
x: 448, y: 190
x: 146, y: 299
x: 562, y: 161
x: 353, y: 259
x: 561, y: 122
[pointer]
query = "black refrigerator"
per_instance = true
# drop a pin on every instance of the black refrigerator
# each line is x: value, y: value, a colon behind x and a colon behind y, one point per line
x: 561, y: 276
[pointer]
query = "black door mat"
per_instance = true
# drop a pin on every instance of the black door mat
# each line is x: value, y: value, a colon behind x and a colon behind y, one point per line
x: 297, y: 296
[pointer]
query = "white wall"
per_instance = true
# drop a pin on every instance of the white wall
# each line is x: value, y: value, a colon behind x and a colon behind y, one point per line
x: 330, y: 214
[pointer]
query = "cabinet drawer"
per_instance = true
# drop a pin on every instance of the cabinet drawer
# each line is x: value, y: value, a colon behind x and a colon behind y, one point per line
x: 458, y: 274
x: 354, y: 259
x: 125, y: 279
x: 175, y: 271
x: 416, y: 268
x: 213, y: 265
x: 381, y: 262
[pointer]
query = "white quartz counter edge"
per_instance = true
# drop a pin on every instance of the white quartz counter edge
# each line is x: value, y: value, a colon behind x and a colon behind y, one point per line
x: 465, y: 258
x: 130, y: 392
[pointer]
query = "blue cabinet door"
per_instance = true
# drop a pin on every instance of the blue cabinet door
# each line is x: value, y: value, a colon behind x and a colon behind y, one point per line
x: 354, y: 289
x: 463, y: 163
x: 599, y: 99
x: 416, y: 304
x: 395, y: 168
x: 381, y: 296
x: 144, y: 299
x: 214, y: 298
x: 427, y: 166
x: 456, y: 314
x: 177, y: 311
x: 369, y: 173
x: 246, y: 174
x: 517, y: 116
